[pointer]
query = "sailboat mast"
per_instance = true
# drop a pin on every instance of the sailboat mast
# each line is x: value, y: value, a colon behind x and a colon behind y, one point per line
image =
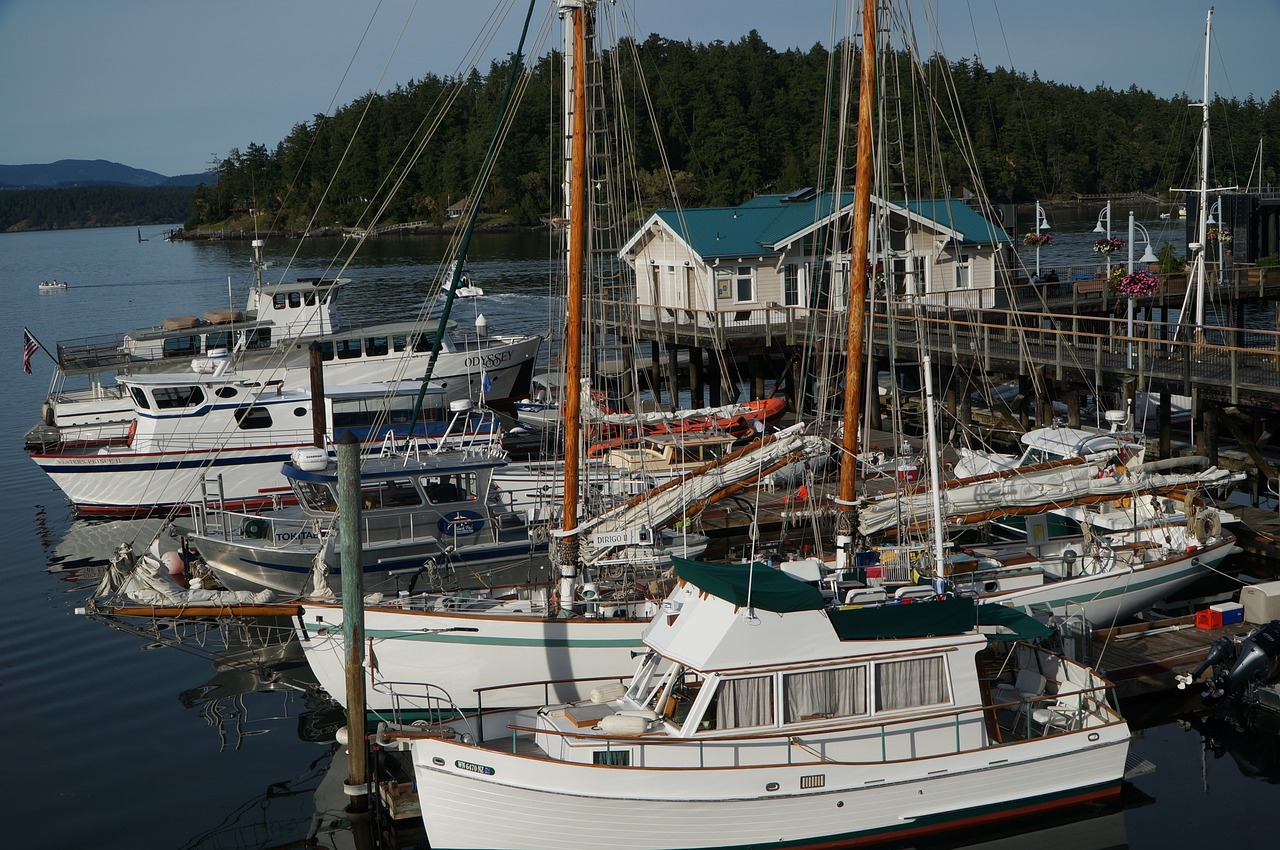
x: 857, y: 287
x: 573, y: 330
x: 1202, y: 226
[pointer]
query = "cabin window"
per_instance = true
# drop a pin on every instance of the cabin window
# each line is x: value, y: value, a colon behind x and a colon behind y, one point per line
x: 744, y: 285
x: 421, y: 344
x: 226, y: 392
x: 220, y: 339
x: 295, y: 299
x: 140, y: 398
x: 168, y: 398
x: 376, y: 346
x: 913, y: 683
x: 316, y: 497
x: 258, y: 338
x: 347, y: 349
x: 389, y: 494
x: 182, y: 346
x: 824, y: 693
x: 964, y: 271
x: 399, y: 342
x: 743, y: 702
x: 250, y: 418
x: 791, y: 285
x: 326, y: 351
x: 441, y: 489
x: 309, y: 298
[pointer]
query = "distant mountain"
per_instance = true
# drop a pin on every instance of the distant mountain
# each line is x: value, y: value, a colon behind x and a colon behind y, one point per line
x: 89, y: 172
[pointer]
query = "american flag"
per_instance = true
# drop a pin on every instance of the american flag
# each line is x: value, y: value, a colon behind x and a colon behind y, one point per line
x: 29, y: 347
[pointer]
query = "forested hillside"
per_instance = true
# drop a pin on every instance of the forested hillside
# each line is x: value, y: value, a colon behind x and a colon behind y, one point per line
x: 734, y: 119
x: 93, y: 206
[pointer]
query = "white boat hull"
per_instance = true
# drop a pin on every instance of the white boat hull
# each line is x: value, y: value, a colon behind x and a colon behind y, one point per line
x: 479, y: 798
x: 459, y: 651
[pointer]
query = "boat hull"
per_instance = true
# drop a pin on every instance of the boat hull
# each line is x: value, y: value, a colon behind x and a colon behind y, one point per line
x: 479, y: 798
x: 286, y: 566
x: 458, y: 651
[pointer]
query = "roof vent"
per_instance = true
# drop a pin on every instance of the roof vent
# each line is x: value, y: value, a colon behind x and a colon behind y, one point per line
x: 808, y: 193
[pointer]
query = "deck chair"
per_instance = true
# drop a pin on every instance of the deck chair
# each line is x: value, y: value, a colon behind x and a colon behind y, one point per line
x: 1028, y: 685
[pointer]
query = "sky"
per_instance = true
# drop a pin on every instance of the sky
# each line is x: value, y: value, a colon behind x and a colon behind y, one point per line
x: 172, y: 86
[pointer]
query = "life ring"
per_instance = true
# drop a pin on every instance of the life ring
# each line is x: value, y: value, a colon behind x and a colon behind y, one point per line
x: 133, y: 431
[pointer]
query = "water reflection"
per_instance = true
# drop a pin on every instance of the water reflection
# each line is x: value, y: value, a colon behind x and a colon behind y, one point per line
x: 1249, y: 736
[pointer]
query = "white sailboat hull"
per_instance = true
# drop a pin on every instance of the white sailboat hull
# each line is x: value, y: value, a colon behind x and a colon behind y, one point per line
x: 538, y: 803
x: 421, y: 653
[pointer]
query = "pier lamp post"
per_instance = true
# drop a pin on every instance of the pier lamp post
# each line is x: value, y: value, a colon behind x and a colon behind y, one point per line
x: 1042, y: 223
x: 1147, y: 257
x: 1215, y: 215
x: 1098, y: 228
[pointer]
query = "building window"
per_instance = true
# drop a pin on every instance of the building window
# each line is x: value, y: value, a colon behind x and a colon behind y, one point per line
x: 791, y: 285
x: 964, y: 271
x: 919, y: 272
x: 744, y: 285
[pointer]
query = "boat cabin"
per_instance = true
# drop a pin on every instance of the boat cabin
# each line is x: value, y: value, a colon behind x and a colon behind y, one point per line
x: 176, y: 413
x: 672, y: 453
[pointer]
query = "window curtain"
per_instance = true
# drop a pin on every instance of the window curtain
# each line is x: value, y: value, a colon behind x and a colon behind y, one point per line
x: 825, y: 693
x: 745, y: 702
x: 910, y: 684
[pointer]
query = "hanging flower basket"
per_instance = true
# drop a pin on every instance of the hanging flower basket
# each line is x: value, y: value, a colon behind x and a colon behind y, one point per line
x: 1033, y: 239
x: 1106, y: 246
x: 1135, y: 284
x: 1221, y: 236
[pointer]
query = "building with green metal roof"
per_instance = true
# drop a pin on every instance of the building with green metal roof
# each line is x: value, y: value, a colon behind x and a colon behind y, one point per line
x: 725, y: 265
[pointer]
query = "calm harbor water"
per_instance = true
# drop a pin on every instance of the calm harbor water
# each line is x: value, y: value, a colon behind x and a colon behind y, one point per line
x: 116, y: 740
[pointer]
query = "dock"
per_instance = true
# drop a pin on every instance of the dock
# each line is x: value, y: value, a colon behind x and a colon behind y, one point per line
x: 1143, y: 658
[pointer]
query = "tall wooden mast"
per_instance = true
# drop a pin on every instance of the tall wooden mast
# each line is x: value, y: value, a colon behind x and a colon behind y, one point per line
x: 857, y: 307
x: 577, y: 236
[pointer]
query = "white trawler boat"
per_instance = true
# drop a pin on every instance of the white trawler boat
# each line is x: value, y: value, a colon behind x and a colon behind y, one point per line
x: 268, y: 341
x: 761, y: 715
x: 223, y: 435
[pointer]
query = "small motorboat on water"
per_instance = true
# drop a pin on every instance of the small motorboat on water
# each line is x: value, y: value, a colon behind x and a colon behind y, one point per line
x: 51, y: 285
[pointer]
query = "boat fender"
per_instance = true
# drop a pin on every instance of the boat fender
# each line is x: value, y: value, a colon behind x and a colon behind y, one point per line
x: 47, y: 415
x: 255, y: 528
x: 608, y: 693
x: 624, y: 725
x: 133, y: 432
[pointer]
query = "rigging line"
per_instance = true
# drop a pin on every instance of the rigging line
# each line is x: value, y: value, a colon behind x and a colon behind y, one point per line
x: 482, y: 41
x: 473, y: 212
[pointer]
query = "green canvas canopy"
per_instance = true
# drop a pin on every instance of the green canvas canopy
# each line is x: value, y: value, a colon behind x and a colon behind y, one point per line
x: 756, y: 585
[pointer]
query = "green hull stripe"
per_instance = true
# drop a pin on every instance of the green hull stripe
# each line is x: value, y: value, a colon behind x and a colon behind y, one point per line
x: 475, y: 640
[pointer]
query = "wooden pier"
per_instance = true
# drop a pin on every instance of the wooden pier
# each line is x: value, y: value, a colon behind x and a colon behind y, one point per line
x: 1063, y: 345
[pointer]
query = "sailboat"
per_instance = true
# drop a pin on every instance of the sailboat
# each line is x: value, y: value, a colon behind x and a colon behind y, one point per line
x: 761, y: 713
x: 612, y: 570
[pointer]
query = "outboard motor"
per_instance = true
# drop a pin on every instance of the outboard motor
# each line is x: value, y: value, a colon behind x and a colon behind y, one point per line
x: 1257, y: 661
x: 1238, y: 669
